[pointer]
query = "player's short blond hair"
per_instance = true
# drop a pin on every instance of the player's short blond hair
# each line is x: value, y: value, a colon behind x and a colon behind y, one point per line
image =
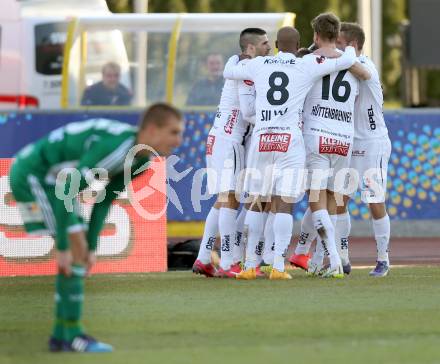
x: 353, y: 32
x: 159, y: 114
x: 327, y: 26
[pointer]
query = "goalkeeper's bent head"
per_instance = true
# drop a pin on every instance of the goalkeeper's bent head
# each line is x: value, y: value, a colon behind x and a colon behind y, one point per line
x: 161, y: 128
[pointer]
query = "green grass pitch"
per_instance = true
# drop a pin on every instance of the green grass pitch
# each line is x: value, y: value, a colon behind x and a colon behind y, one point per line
x: 179, y: 318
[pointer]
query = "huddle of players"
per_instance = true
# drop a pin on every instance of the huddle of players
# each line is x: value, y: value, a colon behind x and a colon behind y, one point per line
x: 320, y: 113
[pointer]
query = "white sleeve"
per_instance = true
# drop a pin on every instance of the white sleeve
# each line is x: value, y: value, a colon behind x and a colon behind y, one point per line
x: 374, y: 79
x: 232, y: 61
x: 246, y: 97
x: 240, y: 71
x: 319, y: 66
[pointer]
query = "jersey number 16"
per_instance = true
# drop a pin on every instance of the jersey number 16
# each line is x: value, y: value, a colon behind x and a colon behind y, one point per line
x: 339, y: 83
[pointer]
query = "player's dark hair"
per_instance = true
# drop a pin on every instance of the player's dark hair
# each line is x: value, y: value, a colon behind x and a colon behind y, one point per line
x: 327, y: 26
x: 159, y: 114
x: 249, y: 36
x: 353, y: 32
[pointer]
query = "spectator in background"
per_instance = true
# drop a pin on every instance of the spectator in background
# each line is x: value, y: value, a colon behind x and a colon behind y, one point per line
x: 109, y: 91
x: 206, y: 92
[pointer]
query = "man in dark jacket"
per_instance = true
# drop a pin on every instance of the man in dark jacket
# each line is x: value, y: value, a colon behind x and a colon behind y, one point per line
x: 207, y: 91
x: 109, y: 91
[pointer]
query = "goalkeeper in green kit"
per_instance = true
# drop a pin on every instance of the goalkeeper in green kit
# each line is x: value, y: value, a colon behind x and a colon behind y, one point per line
x: 75, y: 154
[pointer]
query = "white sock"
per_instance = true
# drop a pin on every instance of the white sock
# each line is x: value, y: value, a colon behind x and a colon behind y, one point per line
x: 333, y: 219
x: 209, y: 236
x: 238, y: 248
x: 282, y: 227
x: 343, y: 227
x: 269, y: 239
x: 381, y: 230
x: 320, y: 252
x: 254, y: 223
x: 326, y: 230
x: 308, y: 234
x: 260, y: 245
x: 227, y: 223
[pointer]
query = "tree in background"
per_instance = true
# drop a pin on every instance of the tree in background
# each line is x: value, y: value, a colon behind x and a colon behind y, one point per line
x: 394, y: 12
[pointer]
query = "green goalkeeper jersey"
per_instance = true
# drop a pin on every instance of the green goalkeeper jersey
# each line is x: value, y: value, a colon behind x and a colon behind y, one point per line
x: 98, y: 144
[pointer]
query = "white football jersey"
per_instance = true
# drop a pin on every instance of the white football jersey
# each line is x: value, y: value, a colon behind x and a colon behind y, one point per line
x: 229, y: 121
x: 368, y: 111
x: 282, y: 83
x: 246, y: 96
x: 329, y: 106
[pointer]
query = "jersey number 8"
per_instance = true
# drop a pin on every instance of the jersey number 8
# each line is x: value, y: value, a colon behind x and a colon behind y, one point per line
x: 278, y: 81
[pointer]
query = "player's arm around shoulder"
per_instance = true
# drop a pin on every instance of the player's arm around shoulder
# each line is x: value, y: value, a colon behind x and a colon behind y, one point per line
x: 230, y: 65
x: 328, y: 52
x: 319, y: 66
x: 236, y: 70
x: 371, y: 67
x: 347, y: 59
x: 359, y: 71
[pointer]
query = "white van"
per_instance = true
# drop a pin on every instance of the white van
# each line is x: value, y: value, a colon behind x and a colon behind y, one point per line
x: 32, y: 36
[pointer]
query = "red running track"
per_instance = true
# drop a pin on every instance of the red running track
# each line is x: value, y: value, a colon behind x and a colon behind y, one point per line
x: 403, y: 251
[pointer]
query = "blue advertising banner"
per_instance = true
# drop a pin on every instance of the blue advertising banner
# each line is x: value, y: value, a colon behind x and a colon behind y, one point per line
x: 413, y: 174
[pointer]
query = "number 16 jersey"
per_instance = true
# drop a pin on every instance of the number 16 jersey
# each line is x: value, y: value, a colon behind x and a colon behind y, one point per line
x: 329, y: 106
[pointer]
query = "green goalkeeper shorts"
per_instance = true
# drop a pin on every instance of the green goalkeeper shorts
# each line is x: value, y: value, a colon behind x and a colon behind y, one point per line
x: 36, y: 200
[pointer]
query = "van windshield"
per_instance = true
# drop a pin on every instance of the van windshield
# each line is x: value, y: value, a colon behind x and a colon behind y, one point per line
x: 49, y: 47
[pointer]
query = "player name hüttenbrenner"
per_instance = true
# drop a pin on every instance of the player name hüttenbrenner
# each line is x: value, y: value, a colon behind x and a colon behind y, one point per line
x: 329, y: 113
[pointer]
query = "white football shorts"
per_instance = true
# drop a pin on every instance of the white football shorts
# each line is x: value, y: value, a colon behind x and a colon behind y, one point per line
x: 369, y: 164
x: 327, y: 162
x: 275, y: 165
x: 224, y: 162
